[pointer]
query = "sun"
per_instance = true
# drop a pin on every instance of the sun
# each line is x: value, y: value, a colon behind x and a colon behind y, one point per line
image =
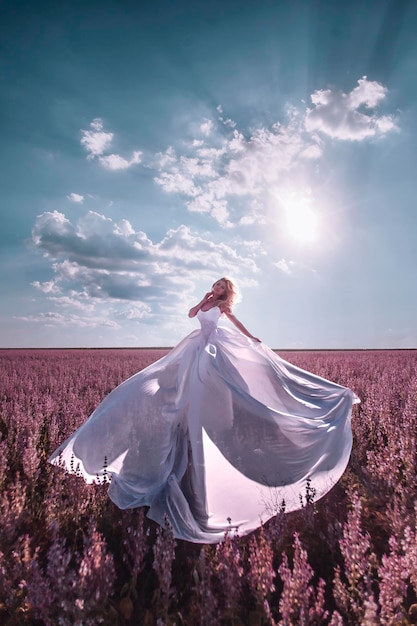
x: 301, y: 220
x: 302, y: 223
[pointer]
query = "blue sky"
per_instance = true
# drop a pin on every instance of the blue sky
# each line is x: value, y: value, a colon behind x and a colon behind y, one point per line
x: 149, y: 148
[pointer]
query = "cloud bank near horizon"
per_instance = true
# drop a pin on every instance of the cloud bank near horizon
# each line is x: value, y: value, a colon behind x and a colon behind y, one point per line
x: 95, y: 259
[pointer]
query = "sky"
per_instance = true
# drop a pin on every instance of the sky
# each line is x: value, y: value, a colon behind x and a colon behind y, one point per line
x: 152, y: 147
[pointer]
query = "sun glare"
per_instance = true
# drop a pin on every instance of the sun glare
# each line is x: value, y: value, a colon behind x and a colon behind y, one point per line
x: 301, y: 220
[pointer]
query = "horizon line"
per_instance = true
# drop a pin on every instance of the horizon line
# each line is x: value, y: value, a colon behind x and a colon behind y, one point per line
x: 358, y: 349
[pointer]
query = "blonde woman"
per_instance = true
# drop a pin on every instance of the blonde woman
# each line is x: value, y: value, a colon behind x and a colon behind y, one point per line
x: 220, y: 433
x: 222, y: 295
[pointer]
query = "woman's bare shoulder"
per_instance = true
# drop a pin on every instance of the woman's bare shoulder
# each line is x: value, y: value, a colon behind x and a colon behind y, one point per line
x: 225, y: 308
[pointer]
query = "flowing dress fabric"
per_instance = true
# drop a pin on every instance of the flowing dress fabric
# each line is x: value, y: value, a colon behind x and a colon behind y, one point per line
x: 219, y: 433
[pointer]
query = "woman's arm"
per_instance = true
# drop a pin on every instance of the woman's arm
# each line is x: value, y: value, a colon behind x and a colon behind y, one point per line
x: 227, y: 311
x: 195, y: 309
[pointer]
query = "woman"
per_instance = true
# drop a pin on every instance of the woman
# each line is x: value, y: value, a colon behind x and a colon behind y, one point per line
x: 223, y: 294
x: 219, y: 433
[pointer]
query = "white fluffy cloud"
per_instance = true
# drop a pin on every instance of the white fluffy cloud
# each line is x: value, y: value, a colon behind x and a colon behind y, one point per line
x: 225, y: 176
x: 226, y: 172
x: 48, y: 286
x: 96, y: 142
x: 284, y: 266
x: 117, y: 162
x: 350, y: 116
x: 76, y: 197
x: 206, y: 127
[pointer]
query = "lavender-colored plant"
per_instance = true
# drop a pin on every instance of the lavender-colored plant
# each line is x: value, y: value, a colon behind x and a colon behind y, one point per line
x: 355, y: 596
x: 14, y: 572
x: 393, y: 574
x: 96, y: 575
x: 72, y: 596
x: 229, y: 570
x: 409, y: 548
x: 300, y: 603
x: 207, y: 611
x: 52, y: 588
x: 135, y: 547
x: 52, y: 524
x: 261, y: 574
x: 164, y: 555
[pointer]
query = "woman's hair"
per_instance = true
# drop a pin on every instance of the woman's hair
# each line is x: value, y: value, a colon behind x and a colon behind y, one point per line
x: 232, y: 291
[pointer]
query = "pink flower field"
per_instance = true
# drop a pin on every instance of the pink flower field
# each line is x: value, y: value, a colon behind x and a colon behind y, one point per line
x: 69, y: 557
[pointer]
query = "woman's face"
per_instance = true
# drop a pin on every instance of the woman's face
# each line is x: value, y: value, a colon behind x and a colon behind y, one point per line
x: 219, y: 289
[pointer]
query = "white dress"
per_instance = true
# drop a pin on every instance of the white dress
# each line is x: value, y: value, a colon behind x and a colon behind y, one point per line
x: 221, y: 432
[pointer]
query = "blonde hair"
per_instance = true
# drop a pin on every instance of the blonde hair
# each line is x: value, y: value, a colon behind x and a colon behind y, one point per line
x: 231, y: 293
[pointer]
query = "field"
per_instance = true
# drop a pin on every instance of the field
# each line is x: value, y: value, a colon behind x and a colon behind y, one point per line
x: 69, y: 557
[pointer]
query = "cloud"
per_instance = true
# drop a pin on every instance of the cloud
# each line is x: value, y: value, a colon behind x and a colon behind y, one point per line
x: 176, y: 182
x: 52, y: 318
x: 96, y: 142
x: 46, y: 287
x: 224, y: 172
x: 67, y: 301
x: 98, y: 259
x: 227, y: 171
x: 312, y: 152
x: 137, y: 312
x: 350, y: 116
x: 76, y: 197
x: 294, y: 267
x: 229, y: 174
x: 117, y: 162
x: 206, y: 127
x: 284, y: 266
x: 224, y: 176
x: 226, y: 121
